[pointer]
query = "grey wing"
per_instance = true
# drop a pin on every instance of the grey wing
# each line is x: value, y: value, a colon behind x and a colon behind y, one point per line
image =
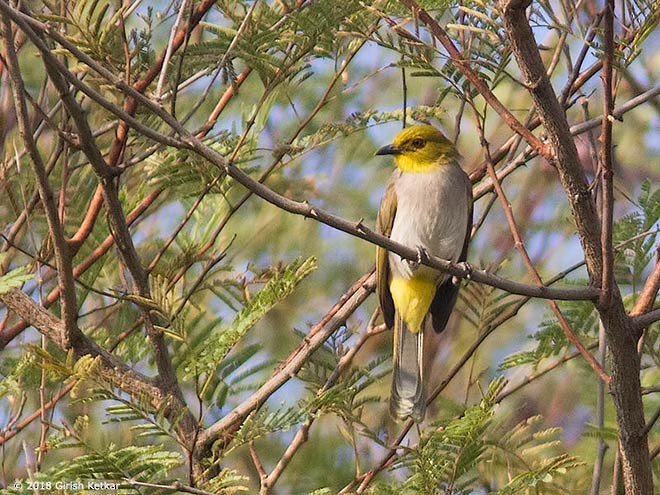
x: 447, y: 293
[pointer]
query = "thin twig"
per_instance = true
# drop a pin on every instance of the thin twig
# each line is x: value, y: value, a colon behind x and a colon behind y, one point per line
x: 63, y: 258
x: 169, y: 50
x: 302, y: 434
x: 607, y: 172
x: 601, y: 445
x: 477, y: 82
x: 531, y: 269
x: 317, y: 335
x: 10, y: 333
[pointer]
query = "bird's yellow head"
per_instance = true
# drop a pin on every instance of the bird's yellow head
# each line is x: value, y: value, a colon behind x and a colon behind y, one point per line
x: 420, y: 148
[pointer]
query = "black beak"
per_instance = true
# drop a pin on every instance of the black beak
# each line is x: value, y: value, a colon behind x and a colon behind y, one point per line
x: 390, y: 149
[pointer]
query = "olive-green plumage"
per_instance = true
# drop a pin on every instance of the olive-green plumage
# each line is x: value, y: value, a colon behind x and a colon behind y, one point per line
x: 427, y: 205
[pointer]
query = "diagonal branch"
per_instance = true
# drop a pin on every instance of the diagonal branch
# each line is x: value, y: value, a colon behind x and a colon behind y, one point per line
x: 318, y: 334
x: 649, y: 292
x: 10, y: 333
x: 565, y: 156
x: 531, y: 269
x: 63, y: 258
x: 113, y: 370
x: 463, y: 65
x: 644, y: 320
x: 296, y: 207
x: 116, y: 216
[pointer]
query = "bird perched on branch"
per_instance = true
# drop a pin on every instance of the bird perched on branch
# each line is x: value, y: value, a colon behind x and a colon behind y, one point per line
x: 427, y: 205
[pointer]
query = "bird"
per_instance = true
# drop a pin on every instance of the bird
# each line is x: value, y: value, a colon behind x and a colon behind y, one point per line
x: 427, y: 205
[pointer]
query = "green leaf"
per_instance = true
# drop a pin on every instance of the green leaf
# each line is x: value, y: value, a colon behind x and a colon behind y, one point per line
x: 278, y: 288
x: 536, y: 478
x: 15, y: 278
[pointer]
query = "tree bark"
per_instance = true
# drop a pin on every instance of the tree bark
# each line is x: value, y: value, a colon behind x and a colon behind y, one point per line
x: 621, y: 334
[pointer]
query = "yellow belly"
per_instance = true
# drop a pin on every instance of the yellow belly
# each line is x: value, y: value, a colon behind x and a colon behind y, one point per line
x: 412, y: 299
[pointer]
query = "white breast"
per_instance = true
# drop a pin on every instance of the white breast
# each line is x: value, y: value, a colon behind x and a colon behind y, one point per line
x: 432, y: 212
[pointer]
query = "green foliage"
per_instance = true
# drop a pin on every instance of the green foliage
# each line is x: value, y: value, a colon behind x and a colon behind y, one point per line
x: 144, y: 463
x: 227, y: 482
x: 644, y: 18
x: 221, y: 342
x: 475, y: 446
x: 476, y: 28
x: 278, y: 50
x: 540, y: 476
x: 636, y: 234
x: 443, y: 460
x: 148, y: 423
x: 14, y: 278
x: 551, y: 339
x: 111, y: 464
x: 525, y: 458
x: 345, y: 396
x: 93, y: 27
x: 264, y: 422
x: 15, y: 379
x: 322, y: 491
x: 482, y: 305
x: 186, y: 174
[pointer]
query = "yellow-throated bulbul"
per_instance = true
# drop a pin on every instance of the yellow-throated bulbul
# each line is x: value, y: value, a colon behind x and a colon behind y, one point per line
x: 427, y: 205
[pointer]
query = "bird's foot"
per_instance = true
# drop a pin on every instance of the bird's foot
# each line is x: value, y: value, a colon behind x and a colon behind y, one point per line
x: 467, y: 267
x: 422, y: 255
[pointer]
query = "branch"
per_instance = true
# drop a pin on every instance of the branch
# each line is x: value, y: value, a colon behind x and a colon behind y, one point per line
x: 620, y: 331
x: 169, y: 50
x: 130, y: 107
x: 565, y: 158
x: 113, y: 370
x: 520, y: 247
x: 63, y: 260
x: 15, y: 430
x: 528, y: 153
x: 463, y: 66
x: 644, y: 320
x: 601, y: 446
x: 301, y: 436
x: 649, y: 292
x: 536, y: 375
x: 10, y: 333
x: 618, y: 112
x: 318, y: 334
x: 606, y: 171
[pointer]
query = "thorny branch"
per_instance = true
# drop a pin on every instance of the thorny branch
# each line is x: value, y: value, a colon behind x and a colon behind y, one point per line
x: 619, y: 328
x: 296, y: 207
x: 37, y: 316
x: 63, y: 257
x: 529, y: 264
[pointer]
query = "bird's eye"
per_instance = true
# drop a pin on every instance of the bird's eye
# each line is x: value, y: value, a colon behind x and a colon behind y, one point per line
x: 418, y: 143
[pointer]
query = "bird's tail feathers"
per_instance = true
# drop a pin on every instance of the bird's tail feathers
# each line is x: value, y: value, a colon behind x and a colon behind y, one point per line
x: 408, y: 398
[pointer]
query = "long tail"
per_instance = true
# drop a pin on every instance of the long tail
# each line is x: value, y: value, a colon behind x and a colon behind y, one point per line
x: 407, y: 398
